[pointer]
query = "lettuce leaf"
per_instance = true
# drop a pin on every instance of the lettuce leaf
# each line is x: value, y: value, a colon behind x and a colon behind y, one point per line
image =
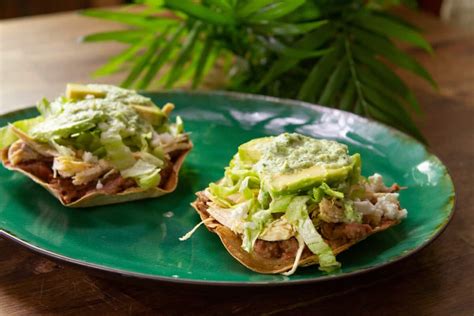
x: 253, y: 227
x: 140, y: 167
x: 280, y: 204
x: 48, y: 109
x: 62, y: 127
x: 324, y: 189
x: 149, y: 180
x: 350, y: 214
x: 119, y: 155
x: 7, y: 137
x: 297, y: 215
x: 146, y: 174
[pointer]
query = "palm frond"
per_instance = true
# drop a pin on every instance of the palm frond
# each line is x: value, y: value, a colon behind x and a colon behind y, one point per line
x: 340, y: 54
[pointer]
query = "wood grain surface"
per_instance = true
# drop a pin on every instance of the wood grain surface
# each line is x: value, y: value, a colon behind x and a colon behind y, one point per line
x: 39, y: 55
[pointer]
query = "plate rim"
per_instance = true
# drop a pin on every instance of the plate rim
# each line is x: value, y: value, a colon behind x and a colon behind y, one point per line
x: 281, y: 101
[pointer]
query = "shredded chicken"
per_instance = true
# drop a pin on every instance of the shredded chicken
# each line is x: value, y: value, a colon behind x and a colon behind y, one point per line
x: 168, y: 148
x: 171, y: 143
x: 92, y: 173
x: 43, y: 149
x: 330, y: 210
x: 279, y: 229
x: 20, y: 152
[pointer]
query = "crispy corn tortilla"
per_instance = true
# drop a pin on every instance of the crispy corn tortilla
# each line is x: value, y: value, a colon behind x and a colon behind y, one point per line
x: 233, y: 244
x: 101, y: 198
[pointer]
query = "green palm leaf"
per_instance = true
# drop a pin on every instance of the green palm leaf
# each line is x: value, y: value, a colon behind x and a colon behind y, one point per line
x: 126, y: 36
x: 383, y: 47
x: 160, y: 59
x: 144, y: 60
x: 386, y: 75
x: 391, y: 28
x: 314, y: 83
x: 283, y: 64
x: 204, y: 58
x: 200, y: 12
x: 134, y: 19
x: 277, y: 28
x: 114, y: 64
x: 184, y: 54
x: 276, y: 9
x: 348, y: 97
x: 246, y: 8
x: 279, y: 47
x: 335, y: 82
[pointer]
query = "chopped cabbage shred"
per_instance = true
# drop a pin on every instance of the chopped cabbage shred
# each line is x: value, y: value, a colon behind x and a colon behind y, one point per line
x: 297, y: 214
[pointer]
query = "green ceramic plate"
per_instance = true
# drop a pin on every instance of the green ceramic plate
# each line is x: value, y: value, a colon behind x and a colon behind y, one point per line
x: 141, y: 238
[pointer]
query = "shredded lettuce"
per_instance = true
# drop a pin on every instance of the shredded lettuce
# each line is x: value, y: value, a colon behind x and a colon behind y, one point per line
x: 48, y: 109
x: 140, y: 167
x: 280, y: 204
x: 219, y: 194
x: 145, y: 173
x: 119, y: 155
x: 244, y: 183
x: 7, y: 136
x: 350, y: 214
x: 245, y: 188
x: 264, y: 199
x: 150, y: 180
x: 324, y: 189
x: 297, y: 214
x: 151, y: 159
x: 62, y: 150
x: 254, y: 227
x: 223, y: 191
x: 178, y: 128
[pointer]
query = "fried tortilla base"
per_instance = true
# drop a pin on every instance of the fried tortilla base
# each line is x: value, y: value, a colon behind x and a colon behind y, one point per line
x: 255, y: 262
x: 99, y: 197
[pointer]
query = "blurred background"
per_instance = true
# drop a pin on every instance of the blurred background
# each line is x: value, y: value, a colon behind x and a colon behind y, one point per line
x: 459, y: 12
x: 18, y: 8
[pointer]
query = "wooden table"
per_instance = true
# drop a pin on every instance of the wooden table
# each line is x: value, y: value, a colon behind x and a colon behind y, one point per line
x: 38, y: 55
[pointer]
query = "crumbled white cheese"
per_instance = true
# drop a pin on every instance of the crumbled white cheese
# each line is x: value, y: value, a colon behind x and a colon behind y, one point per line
x: 166, y: 138
x: 367, y: 208
x: 99, y: 185
x: 387, y: 206
x: 376, y: 183
x: 89, y: 157
x: 388, y: 203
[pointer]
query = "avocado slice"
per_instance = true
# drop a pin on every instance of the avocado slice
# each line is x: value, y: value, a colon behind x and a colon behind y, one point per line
x: 78, y: 91
x: 286, y: 183
x: 251, y: 151
x: 151, y: 114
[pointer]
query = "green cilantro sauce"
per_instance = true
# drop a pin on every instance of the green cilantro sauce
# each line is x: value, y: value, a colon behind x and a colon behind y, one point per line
x: 289, y: 153
x: 111, y: 114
